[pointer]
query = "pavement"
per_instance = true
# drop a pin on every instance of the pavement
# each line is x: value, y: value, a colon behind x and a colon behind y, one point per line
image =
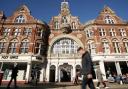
x: 64, y: 85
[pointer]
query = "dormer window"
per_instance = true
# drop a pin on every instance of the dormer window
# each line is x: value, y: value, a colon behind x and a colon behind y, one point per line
x: 64, y: 19
x: 20, y: 19
x: 73, y: 25
x: 109, y: 20
x: 56, y: 25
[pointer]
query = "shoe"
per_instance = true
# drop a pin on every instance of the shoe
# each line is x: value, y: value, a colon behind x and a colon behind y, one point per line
x: 106, y: 87
x: 97, y: 87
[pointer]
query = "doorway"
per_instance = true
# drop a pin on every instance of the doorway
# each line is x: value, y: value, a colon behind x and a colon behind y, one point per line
x: 65, y: 72
x: 52, y: 73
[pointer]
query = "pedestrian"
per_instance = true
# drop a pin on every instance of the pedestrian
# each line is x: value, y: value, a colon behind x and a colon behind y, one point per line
x: 76, y: 78
x: 100, y: 78
x: 13, y: 76
x: 87, y: 69
x: 119, y: 79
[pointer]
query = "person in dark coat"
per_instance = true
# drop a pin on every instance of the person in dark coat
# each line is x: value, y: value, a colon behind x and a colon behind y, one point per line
x: 76, y: 78
x: 87, y: 69
x: 13, y: 76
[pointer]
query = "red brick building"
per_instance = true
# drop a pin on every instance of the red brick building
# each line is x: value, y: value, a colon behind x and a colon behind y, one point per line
x: 24, y: 39
x: 106, y: 37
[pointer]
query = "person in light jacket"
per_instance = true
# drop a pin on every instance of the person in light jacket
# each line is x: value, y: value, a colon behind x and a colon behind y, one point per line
x: 100, y: 78
x: 87, y: 69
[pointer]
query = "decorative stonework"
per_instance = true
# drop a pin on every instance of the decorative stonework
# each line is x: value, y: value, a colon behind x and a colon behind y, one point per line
x: 52, y: 35
x: 79, y: 35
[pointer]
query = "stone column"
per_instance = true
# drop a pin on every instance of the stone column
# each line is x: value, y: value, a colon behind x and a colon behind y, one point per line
x: 56, y: 74
x: 47, y: 72
x: 102, y: 67
x: 59, y: 70
x: 73, y: 73
x: 118, y: 68
x: 28, y: 72
x: 41, y: 74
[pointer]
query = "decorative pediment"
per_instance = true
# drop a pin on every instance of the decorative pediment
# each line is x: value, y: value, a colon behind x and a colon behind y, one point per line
x: 107, y: 10
x: 23, y: 9
x: 108, y: 16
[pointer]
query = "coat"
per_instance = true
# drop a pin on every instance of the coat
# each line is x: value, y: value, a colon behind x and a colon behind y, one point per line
x: 87, y: 65
x: 99, y: 75
x: 14, y: 71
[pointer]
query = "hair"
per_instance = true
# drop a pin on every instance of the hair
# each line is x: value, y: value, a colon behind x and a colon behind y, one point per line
x: 80, y: 48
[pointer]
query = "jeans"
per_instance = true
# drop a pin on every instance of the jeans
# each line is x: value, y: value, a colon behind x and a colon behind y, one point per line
x: 89, y: 82
x: 15, y: 83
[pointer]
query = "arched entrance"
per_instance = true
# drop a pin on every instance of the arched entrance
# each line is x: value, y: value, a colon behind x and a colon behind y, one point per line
x: 52, y: 73
x: 65, y: 72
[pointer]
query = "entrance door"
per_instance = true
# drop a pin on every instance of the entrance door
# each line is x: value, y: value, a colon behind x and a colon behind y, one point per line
x: 124, y: 67
x: 66, y: 76
x: 65, y: 73
x: 110, y: 68
x: 52, y: 74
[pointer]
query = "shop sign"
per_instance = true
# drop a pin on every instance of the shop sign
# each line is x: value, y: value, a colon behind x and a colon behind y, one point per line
x: 11, y: 57
x: 120, y: 56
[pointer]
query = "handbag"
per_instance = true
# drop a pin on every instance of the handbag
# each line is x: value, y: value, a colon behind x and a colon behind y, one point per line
x: 89, y: 76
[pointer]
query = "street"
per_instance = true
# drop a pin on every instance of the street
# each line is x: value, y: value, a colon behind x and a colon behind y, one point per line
x: 63, y: 86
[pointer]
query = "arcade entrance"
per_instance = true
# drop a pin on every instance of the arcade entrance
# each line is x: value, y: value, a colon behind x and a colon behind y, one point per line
x: 65, y: 72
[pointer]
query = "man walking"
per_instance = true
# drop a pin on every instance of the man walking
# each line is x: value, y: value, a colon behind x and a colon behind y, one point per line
x: 13, y: 76
x: 87, y: 69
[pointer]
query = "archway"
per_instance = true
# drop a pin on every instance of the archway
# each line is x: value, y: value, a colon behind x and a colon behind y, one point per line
x: 65, y: 72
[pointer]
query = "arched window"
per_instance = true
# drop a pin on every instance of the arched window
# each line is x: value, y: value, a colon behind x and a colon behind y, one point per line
x: 56, y: 25
x: 2, y: 45
x: 91, y: 46
x: 65, y: 46
x: 64, y: 19
x: 12, y: 46
x: 89, y: 33
x: 109, y: 20
x: 105, y: 44
x: 73, y: 25
x: 20, y: 19
x: 116, y: 46
x: 125, y: 43
x: 24, y: 46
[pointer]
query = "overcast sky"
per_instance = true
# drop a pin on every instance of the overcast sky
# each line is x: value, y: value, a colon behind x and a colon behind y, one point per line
x: 84, y: 9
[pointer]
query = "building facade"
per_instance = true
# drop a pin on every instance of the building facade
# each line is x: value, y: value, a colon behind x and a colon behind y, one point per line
x: 24, y: 39
x: 106, y: 37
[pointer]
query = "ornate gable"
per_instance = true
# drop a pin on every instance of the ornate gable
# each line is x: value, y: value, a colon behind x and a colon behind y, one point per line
x: 22, y: 15
x: 65, y: 19
x: 23, y: 9
x: 108, y: 16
